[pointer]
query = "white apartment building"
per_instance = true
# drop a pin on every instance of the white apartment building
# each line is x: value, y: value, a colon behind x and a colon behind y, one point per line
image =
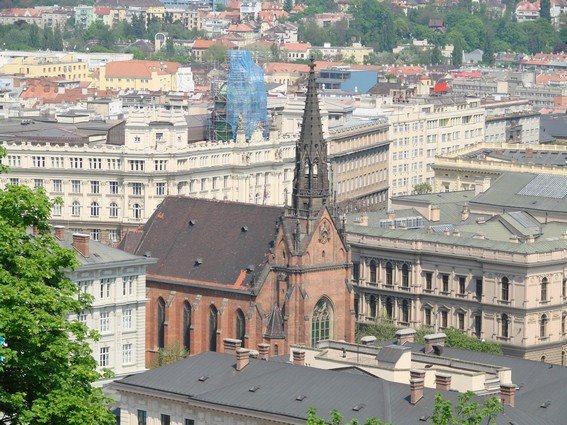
x: 116, y: 281
x: 511, y: 121
x: 111, y: 176
x: 418, y: 132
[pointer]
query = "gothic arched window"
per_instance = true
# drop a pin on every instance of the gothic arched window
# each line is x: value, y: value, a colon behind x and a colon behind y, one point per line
x: 213, y: 325
x: 405, y: 311
x: 543, y: 326
x: 505, y: 289
x: 373, y: 306
x: 544, y: 284
x: 405, y: 276
x: 373, y: 271
x: 187, y: 326
x: 240, y: 326
x: 505, y: 325
x: 161, y: 323
x: 389, y: 308
x: 321, y: 321
x: 389, y: 274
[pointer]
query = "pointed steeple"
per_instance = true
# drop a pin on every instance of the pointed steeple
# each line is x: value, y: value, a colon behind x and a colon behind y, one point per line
x: 311, y: 180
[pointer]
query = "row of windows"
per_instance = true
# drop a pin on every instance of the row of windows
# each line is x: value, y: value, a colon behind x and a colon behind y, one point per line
x: 106, y: 286
x: 94, y: 209
x: 127, y: 355
x: 164, y: 419
x: 105, y: 321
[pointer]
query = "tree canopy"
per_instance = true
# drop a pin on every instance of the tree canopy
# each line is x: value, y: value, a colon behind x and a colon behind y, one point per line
x: 47, y: 368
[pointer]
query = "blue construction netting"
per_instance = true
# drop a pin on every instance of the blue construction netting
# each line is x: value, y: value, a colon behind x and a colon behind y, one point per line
x: 246, y: 96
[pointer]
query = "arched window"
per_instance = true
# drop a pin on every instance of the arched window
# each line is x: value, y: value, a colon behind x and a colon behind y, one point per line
x: 161, y: 323
x: 307, y: 168
x: 505, y: 322
x: 544, y: 283
x: 405, y: 311
x: 137, y: 211
x: 240, y: 326
x: 213, y: 325
x: 563, y: 358
x: 405, y: 276
x: 315, y: 171
x: 373, y: 271
x: 321, y: 321
x: 356, y: 309
x: 95, y: 209
x: 505, y: 289
x: 389, y: 274
x: 563, y: 320
x: 187, y: 326
x: 113, y: 210
x: 543, y: 326
x: 373, y: 306
x: 76, y: 208
x: 389, y: 308
x: 543, y: 358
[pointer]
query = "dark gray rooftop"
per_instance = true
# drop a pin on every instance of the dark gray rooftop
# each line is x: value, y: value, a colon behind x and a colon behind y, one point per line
x: 520, y: 156
x: 288, y: 391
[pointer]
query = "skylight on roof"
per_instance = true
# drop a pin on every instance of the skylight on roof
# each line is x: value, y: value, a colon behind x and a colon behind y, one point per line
x: 547, y: 186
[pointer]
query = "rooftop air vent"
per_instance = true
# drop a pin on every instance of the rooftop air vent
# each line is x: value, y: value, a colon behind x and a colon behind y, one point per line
x: 148, y: 254
x: 546, y: 404
x: 301, y: 397
x: 244, y: 229
x: 203, y: 378
x: 254, y: 388
x: 250, y: 268
x: 198, y: 261
x: 192, y: 222
x: 358, y: 407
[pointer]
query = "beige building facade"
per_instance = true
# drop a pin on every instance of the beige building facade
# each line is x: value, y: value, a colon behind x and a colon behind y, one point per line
x: 462, y: 169
x: 457, y: 260
x: 67, y: 67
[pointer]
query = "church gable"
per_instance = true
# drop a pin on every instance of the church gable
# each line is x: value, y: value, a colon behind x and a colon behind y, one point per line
x: 325, y: 244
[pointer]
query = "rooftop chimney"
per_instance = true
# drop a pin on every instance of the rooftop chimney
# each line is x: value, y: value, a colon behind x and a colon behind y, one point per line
x: 299, y: 357
x: 416, y: 388
x: 434, y: 213
x: 231, y: 345
x: 363, y: 220
x: 405, y: 335
x: 242, y: 358
x: 81, y: 243
x: 442, y: 381
x: 465, y: 213
x: 529, y: 153
x: 368, y: 340
x: 434, y: 339
x: 263, y: 351
x: 59, y: 232
x: 564, y: 235
x: 417, y: 374
x: 481, y: 185
x: 391, y: 215
x: 508, y: 394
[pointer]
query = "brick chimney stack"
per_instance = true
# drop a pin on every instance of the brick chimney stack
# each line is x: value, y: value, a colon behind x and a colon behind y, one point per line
x: 81, y: 243
x: 242, y: 358
x: 442, y: 381
x: 231, y: 345
x: 508, y: 394
x: 299, y: 357
x: 433, y: 339
x: 263, y: 351
x: 416, y: 388
x: 405, y: 335
x: 59, y: 232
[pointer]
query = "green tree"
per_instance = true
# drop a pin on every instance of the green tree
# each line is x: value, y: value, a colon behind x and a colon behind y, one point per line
x: 48, y: 369
x: 169, y: 48
x: 436, y: 56
x: 47, y: 39
x: 459, y: 339
x: 170, y: 354
x: 57, y: 43
x: 467, y: 411
x: 288, y: 5
x: 373, y: 24
x: 488, y: 50
x: 33, y: 34
x: 545, y: 10
x: 457, y: 55
x: 215, y: 54
x: 336, y: 419
x: 422, y: 188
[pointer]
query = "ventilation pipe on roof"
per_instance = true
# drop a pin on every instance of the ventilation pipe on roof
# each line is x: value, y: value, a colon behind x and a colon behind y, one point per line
x: 508, y: 394
x: 299, y: 357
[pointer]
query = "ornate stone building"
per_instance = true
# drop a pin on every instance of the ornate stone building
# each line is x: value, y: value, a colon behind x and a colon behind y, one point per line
x: 230, y: 273
x: 492, y: 264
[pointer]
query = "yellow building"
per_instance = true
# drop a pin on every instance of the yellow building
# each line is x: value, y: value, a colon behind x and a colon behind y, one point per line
x: 66, y: 67
x: 137, y: 75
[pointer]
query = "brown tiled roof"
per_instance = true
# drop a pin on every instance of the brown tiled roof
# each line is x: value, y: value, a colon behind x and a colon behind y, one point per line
x: 201, y: 241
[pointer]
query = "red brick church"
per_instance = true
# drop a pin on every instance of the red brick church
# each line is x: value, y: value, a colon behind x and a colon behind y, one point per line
x: 247, y: 272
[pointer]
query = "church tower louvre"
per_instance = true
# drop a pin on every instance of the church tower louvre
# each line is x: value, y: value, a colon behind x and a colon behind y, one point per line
x: 311, y: 179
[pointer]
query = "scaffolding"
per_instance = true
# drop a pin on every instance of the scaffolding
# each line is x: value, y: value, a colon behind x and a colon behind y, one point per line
x: 241, y: 102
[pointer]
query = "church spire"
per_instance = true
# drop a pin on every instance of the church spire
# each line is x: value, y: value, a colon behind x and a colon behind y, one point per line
x: 311, y: 180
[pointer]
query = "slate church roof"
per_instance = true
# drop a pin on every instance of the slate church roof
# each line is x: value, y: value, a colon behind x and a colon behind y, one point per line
x: 202, y: 241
